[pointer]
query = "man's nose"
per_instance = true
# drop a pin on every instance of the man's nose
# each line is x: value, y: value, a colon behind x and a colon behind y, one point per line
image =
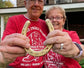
x: 36, y: 2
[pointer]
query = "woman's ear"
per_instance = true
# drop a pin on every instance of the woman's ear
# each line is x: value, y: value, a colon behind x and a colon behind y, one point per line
x: 64, y: 21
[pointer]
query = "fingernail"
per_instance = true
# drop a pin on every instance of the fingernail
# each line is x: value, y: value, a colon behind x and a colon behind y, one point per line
x: 27, y: 39
x: 27, y: 45
x: 44, y: 43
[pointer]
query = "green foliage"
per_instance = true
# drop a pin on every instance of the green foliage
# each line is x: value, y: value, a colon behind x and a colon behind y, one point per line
x: 82, y: 63
x: 4, y: 4
x: 8, y: 4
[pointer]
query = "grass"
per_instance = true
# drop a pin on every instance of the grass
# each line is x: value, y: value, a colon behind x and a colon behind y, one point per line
x: 82, y: 63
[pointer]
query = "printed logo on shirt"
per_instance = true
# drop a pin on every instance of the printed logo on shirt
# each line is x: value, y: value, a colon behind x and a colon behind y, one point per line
x: 36, y: 37
x: 53, y: 60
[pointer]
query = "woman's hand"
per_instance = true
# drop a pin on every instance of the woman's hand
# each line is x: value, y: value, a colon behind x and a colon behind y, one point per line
x: 62, y: 43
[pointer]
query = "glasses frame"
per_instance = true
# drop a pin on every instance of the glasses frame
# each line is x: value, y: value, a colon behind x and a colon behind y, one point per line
x: 41, y: 2
x: 57, y: 18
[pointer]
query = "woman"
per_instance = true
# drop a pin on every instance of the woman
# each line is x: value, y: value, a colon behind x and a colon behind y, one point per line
x: 65, y: 43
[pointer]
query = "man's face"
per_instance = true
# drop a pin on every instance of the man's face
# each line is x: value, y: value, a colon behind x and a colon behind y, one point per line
x: 34, y: 7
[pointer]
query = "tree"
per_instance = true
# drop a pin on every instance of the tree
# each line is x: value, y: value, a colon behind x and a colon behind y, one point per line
x: 8, y: 4
x: 4, y: 4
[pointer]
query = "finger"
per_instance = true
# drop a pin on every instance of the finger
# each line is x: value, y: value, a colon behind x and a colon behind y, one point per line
x: 16, y: 41
x: 55, y: 33
x: 65, y: 47
x: 54, y: 40
x: 56, y: 46
x: 64, y: 53
x: 11, y: 57
x: 12, y: 50
x: 18, y: 35
x: 7, y: 55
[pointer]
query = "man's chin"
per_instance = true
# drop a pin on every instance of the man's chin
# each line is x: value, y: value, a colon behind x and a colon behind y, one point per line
x: 36, y: 16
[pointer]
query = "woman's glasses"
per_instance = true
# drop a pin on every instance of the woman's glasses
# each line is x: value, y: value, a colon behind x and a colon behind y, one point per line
x: 56, y: 18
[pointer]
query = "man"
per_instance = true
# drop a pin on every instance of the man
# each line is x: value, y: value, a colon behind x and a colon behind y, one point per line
x: 36, y: 32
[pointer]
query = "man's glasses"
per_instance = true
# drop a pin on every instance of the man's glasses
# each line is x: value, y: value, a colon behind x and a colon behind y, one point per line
x: 39, y: 1
x: 56, y: 18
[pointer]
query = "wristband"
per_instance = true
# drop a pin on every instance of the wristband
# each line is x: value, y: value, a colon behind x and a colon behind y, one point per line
x: 79, y: 47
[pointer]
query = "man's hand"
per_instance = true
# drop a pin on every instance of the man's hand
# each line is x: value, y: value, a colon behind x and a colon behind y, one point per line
x: 13, y: 46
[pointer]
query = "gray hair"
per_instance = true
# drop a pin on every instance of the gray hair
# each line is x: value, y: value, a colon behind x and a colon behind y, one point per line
x: 56, y: 7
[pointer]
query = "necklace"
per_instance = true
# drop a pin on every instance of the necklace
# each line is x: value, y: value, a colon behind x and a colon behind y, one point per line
x: 30, y: 19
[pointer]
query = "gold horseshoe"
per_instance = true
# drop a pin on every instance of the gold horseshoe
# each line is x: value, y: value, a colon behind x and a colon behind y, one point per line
x: 47, y: 48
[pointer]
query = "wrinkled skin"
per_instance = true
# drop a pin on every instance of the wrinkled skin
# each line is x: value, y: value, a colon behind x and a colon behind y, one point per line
x: 57, y: 37
x: 34, y: 10
x: 13, y: 46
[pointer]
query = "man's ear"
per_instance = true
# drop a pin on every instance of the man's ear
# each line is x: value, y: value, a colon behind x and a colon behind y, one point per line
x: 25, y: 2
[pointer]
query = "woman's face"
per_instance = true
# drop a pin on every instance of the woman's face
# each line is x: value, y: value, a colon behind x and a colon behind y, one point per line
x: 57, y: 19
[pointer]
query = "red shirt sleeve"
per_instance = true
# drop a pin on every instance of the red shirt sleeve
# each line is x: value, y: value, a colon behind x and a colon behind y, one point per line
x: 10, y: 28
x: 74, y: 36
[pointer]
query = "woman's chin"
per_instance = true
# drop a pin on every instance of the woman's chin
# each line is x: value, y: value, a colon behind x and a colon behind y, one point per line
x: 57, y: 29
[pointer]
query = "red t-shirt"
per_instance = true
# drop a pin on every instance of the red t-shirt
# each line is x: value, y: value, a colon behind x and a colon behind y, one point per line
x: 37, y: 32
x: 54, y: 60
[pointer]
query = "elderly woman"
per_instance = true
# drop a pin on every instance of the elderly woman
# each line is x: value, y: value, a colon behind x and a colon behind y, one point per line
x: 66, y: 44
